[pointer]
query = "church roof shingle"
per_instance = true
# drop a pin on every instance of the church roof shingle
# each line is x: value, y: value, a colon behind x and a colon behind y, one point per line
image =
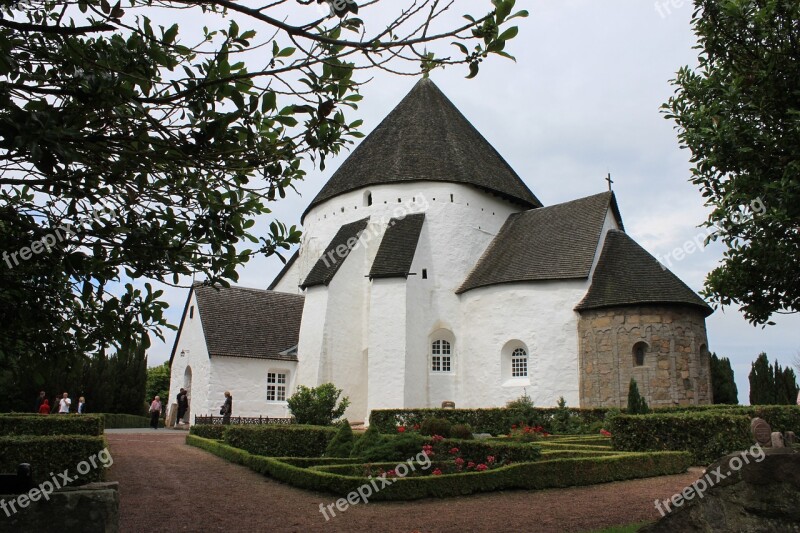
x: 243, y: 322
x: 427, y: 138
x: 627, y: 274
x: 328, y: 264
x: 549, y: 243
x: 399, y: 243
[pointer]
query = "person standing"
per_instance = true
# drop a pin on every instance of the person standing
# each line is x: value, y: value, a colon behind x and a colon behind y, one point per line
x: 63, y: 404
x: 81, y: 405
x: 227, y: 409
x: 183, y: 405
x: 44, y: 409
x: 155, y: 412
x: 40, y: 400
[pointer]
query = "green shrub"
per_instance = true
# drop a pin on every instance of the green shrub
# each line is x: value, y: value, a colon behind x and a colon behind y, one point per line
x: 435, y: 426
x: 317, y: 406
x: 707, y: 436
x: 30, y: 424
x: 342, y: 443
x: 397, y: 448
x: 636, y: 404
x: 371, y: 438
x: 52, y: 453
x: 537, y: 475
x: 479, y: 450
x: 280, y: 440
x: 208, y: 431
x: 461, y: 431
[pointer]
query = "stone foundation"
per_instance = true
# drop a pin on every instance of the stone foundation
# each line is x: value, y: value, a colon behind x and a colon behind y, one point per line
x: 676, y: 369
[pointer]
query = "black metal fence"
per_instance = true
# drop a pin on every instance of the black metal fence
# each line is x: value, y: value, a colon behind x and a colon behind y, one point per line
x: 243, y: 420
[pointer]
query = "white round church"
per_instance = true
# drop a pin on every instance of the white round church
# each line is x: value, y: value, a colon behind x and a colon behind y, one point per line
x: 429, y: 272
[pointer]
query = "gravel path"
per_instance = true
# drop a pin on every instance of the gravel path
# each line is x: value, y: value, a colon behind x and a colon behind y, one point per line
x: 168, y: 486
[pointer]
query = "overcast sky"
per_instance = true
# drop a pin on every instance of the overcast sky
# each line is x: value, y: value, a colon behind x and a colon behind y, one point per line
x: 582, y: 100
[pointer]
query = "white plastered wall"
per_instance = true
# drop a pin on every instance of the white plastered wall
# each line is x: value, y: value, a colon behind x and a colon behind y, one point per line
x: 192, y: 343
x: 246, y: 380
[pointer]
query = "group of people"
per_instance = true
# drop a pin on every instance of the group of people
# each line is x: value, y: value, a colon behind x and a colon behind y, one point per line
x: 63, y: 406
x: 156, y: 408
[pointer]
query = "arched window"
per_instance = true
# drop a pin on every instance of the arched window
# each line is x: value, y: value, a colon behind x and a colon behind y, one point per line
x: 367, y: 198
x: 519, y: 363
x: 441, y: 354
x: 639, y: 351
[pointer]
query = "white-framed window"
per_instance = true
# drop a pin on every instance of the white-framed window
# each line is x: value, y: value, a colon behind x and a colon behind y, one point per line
x: 519, y: 363
x: 276, y: 386
x: 441, y: 354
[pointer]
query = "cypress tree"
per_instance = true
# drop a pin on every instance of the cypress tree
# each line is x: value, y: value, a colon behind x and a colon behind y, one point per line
x: 636, y: 404
x: 723, y: 384
x: 762, y: 382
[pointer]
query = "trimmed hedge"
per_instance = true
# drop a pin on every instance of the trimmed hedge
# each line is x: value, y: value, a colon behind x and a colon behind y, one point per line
x: 707, y: 436
x: 52, y: 454
x: 208, y: 431
x: 497, y: 421
x: 538, y: 475
x: 280, y: 441
x: 120, y: 421
x: 30, y: 424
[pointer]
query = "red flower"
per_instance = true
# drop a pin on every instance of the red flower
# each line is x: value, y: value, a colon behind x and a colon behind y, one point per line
x: 428, y: 450
x: 416, y: 427
x: 470, y: 465
x: 481, y: 467
x: 513, y: 426
x: 391, y: 473
x: 490, y: 459
x: 437, y: 472
x: 453, y: 451
x: 459, y: 462
x: 437, y: 438
x: 605, y: 433
x: 401, y: 429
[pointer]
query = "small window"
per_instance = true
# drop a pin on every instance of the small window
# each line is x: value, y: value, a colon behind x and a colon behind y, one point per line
x: 519, y: 363
x: 191, y: 312
x: 367, y: 199
x: 440, y: 356
x: 639, y: 351
x: 276, y: 387
x: 424, y: 273
x: 399, y: 200
x: 343, y: 210
x: 451, y: 198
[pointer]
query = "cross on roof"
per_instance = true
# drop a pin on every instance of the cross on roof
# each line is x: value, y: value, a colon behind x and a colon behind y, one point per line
x: 609, y: 180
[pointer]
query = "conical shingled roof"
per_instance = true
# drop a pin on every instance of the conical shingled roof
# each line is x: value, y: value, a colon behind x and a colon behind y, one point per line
x: 627, y: 274
x: 425, y: 138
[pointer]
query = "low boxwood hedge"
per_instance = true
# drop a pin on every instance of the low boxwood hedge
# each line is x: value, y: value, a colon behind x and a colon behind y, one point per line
x: 536, y: 475
x: 294, y: 440
x: 707, y: 436
x: 31, y: 424
x: 52, y: 454
x: 121, y: 421
x: 208, y: 431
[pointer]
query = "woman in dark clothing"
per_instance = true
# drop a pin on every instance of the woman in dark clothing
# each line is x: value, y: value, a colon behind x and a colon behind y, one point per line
x: 227, y: 408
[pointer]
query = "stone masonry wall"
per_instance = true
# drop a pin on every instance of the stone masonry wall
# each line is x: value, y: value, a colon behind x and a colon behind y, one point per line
x: 676, y: 369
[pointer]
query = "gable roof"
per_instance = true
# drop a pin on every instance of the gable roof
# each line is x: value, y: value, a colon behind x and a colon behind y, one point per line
x: 399, y: 243
x: 426, y: 138
x: 284, y: 270
x: 627, y: 274
x: 330, y: 261
x: 242, y: 322
x: 549, y: 243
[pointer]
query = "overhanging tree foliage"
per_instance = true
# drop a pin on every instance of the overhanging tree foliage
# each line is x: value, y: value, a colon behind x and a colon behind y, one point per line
x: 739, y: 114
x: 723, y: 384
x: 129, y: 152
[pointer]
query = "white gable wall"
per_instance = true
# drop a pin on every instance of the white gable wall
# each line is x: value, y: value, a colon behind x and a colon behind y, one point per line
x: 192, y: 342
x: 246, y: 380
